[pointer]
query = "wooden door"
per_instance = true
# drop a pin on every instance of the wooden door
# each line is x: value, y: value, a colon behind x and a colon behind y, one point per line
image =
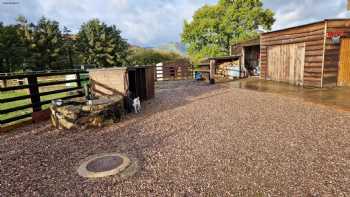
x: 296, y: 72
x: 344, y: 63
x: 286, y: 63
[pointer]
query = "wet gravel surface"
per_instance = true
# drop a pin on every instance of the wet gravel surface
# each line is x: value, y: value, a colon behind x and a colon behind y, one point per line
x: 191, y: 140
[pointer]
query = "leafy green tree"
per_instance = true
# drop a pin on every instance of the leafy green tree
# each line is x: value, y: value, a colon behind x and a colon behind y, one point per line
x: 141, y: 56
x: 11, y: 49
x: 101, y: 45
x: 69, y: 48
x: 215, y: 27
x: 43, y: 43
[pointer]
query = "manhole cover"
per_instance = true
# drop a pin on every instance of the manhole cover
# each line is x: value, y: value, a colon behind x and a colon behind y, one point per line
x: 103, y: 165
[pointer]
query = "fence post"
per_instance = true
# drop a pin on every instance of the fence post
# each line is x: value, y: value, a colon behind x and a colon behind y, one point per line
x: 78, y: 79
x: 4, y: 82
x: 79, y: 83
x: 212, y: 71
x: 34, y: 93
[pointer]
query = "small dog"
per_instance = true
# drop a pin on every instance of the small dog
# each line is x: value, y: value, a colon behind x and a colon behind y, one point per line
x: 137, y: 105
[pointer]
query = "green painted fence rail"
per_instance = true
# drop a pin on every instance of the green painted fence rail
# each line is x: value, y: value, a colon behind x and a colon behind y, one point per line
x: 36, y: 102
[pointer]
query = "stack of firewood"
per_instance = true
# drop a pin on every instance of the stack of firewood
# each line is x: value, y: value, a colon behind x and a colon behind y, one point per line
x: 222, y: 69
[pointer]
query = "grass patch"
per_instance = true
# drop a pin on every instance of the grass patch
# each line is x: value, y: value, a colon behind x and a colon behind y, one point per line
x: 10, y: 94
x: 14, y: 104
x: 24, y: 102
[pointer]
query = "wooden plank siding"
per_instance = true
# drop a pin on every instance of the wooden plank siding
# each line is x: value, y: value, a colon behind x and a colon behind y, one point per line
x: 150, y: 78
x: 321, y: 55
x: 332, y: 52
x: 312, y: 36
x: 286, y: 63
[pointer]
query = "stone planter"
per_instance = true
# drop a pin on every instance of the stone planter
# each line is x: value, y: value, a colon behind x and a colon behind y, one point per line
x: 80, y: 113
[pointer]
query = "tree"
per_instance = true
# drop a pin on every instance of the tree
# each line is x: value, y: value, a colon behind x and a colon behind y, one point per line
x: 215, y: 27
x: 101, y: 45
x: 11, y: 49
x: 141, y: 56
x: 69, y: 48
x: 43, y: 43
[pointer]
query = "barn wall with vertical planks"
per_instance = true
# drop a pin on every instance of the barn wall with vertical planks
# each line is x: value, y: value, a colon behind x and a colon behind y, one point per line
x: 313, y: 37
x: 321, y: 54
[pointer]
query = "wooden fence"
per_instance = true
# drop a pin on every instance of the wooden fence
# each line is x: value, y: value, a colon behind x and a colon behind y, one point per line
x: 174, y: 70
x: 32, y: 86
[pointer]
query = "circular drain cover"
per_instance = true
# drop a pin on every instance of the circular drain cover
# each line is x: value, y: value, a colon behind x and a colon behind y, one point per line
x: 106, y: 163
x: 103, y: 165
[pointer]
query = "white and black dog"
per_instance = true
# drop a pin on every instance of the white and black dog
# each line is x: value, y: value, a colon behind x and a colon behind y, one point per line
x: 137, y: 105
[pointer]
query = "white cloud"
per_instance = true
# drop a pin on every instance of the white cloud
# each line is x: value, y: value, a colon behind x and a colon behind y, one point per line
x: 153, y: 22
x: 297, y: 12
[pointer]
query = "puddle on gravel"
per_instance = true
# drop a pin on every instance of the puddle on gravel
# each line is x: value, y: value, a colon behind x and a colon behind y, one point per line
x: 338, y: 97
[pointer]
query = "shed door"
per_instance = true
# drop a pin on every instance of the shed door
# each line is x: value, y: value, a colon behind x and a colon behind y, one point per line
x: 344, y: 63
x: 286, y: 63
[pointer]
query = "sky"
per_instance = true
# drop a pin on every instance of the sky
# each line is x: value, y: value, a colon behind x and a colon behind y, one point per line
x: 150, y: 23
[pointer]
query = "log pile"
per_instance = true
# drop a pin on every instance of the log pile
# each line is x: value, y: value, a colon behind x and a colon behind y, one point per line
x: 222, y: 70
x: 81, y: 113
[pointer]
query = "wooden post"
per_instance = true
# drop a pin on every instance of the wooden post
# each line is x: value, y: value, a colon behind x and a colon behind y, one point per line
x: 78, y: 79
x: 34, y: 93
x: 79, y: 84
x: 4, y: 82
x: 212, y: 72
x: 242, y: 63
x: 324, y: 51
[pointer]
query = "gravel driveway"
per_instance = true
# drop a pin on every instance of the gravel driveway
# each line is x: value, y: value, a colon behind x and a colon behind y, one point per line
x: 192, y: 140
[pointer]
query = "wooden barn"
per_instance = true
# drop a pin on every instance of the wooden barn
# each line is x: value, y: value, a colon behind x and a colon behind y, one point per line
x: 316, y: 54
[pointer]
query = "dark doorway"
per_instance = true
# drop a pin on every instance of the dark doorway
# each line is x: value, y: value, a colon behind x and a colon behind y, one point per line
x: 137, y: 83
x: 252, y: 58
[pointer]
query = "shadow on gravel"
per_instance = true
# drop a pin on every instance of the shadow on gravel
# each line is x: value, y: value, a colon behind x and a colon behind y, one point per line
x: 173, y: 94
x: 51, y: 157
x: 169, y: 95
x: 56, y: 154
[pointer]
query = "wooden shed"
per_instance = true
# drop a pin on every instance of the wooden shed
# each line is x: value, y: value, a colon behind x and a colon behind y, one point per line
x: 137, y: 80
x: 218, y: 67
x: 109, y: 81
x: 316, y: 54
